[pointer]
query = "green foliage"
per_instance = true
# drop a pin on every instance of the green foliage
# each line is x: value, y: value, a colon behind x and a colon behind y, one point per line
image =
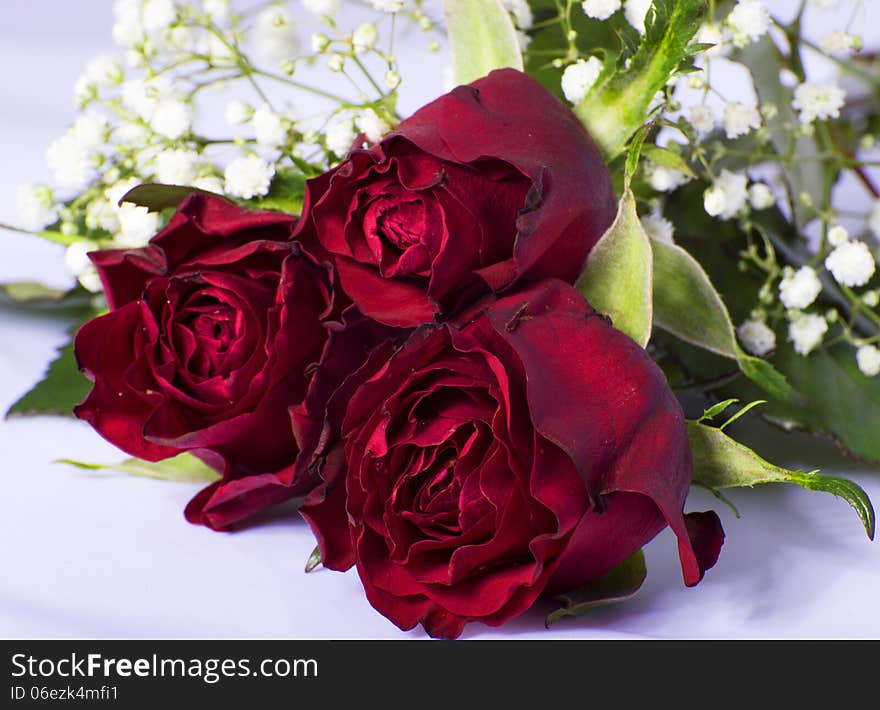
x: 63, y: 387
x: 619, y: 584
x: 617, y: 279
x: 720, y: 462
x: 183, y: 468
x: 481, y: 37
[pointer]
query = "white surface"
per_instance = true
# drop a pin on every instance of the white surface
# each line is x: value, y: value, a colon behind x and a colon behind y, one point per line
x: 93, y: 555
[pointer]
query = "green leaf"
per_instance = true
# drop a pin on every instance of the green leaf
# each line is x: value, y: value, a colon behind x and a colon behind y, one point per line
x: 157, y: 197
x: 63, y: 387
x: 617, y: 279
x: 720, y: 462
x: 314, y: 559
x: 184, y: 468
x: 286, y: 194
x: 47, y: 234
x: 36, y: 296
x: 619, y: 104
x: 717, y: 409
x: 765, y: 62
x: 687, y: 305
x: 617, y: 585
x: 667, y: 159
x: 840, y: 400
x: 482, y: 38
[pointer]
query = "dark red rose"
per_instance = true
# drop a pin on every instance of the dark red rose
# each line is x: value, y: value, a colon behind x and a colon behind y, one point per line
x: 528, y: 448
x: 492, y: 183
x: 212, y: 333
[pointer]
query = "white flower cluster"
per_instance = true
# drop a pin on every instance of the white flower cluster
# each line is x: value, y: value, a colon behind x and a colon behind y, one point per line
x: 139, y: 110
x: 635, y: 11
x: 579, y: 78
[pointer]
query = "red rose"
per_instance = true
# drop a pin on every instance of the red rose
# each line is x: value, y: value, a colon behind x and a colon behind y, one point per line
x: 210, y: 337
x: 490, y: 184
x: 530, y: 448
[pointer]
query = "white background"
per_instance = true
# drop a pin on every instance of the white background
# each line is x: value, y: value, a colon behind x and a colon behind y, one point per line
x: 107, y: 555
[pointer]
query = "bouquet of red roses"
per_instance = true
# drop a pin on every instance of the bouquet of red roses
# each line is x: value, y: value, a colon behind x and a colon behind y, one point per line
x: 411, y: 355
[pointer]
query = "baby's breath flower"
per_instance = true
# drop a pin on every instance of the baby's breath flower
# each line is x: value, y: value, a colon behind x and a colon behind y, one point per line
x: 321, y: 8
x: 371, y: 125
x: 840, y: 43
x: 739, y: 119
x: 339, y: 136
x: 728, y: 195
x: 851, y: 264
x: 137, y: 225
x: 702, y: 118
x: 104, y: 70
x: 77, y: 262
x: 69, y: 162
x: 600, y: 9
x: 756, y: 337
x: 818, y: 101
x: 658, y: 227
x: 664, y: 179
x: 91, y: 130
x: 386, y: 5
x: 217, y: 10
x: 392, y: 79
x: 248, y: 177
x: 127, y: 26
x: 177, y: 167
x: 238, y: 112
x: 364, y: 37
x: 871, y: 298
x: 319, y: 42
x: 158, y: 15
x: 761, y: 197
x: 269, y: 128
x: 36, y: 206
x: 275, y: 35
x: 800, y: 288
x: 336, y: 63
x: 868, y: 359
x: 710, y: 33
x: 172, y: 118
x: 578, y: 78
x: 806, y: 332
x: 749, y: 21
x: 635, y: 12
x: 211, y: 183
x: 837, y: 235
x: 522, y: 13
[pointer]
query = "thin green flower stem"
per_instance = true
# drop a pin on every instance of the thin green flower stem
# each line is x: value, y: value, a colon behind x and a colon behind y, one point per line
x: 367, y: 74
x: 244, y: 64
x: 302, y: 87
x: 859, y: 306
x: 849, y: 67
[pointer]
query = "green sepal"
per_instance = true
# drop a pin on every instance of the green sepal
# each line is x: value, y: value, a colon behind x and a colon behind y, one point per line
x: 183, y: 468
x: 314, y: 560
x: 617, y: 280
x: 62, y: 388
x: 619, y: 584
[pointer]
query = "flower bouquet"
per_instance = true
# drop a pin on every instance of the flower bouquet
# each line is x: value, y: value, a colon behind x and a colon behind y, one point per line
x: 488, y: 347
